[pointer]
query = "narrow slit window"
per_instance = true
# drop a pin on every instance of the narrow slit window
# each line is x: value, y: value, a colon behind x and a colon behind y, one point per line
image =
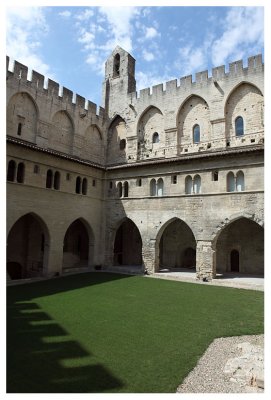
x: 196, y: 134
x: 239, y: 126
x: 19, y: 129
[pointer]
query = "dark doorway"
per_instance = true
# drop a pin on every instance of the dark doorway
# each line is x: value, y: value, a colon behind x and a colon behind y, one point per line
x: 76, y: 246
x: 234, y: 261
x: 128, y: 245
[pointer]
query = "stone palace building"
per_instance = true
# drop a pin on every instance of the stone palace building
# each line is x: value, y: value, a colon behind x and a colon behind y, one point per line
x: 168, y: 177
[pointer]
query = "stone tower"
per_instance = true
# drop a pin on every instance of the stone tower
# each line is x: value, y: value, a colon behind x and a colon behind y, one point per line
x: 119, y: 80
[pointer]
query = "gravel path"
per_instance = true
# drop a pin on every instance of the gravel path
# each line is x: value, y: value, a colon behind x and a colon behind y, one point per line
x: 208, y: 375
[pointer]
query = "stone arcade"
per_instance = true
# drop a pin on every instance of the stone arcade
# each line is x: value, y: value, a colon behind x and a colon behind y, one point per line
x: 170, y: 177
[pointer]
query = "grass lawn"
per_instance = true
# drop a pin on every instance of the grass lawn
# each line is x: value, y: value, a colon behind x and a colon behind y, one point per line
x: 99, y: 332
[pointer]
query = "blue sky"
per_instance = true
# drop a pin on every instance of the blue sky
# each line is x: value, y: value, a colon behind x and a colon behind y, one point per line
x: 70, y: 44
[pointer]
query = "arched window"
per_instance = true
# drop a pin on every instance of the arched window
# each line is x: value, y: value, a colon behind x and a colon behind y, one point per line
x: 20, y: 173
x: 85, y: 186
x: 122, y: 144
x: 160, y: 187
x: 139, y: 182
x: 239, y: 126
x: 57, y: 180
x: 153, y: 187
x: 230, y: 182
x: 49, y: 179
x: 197, y: 184
x: 196, y: 134
x: 155, y: 137
x: 78, y: 185
x: 126, y: 189
x: 188, y: 185
x: 11, y: 171
x: 119, y: 186
x: 116, y: 65
x: 240, y: 181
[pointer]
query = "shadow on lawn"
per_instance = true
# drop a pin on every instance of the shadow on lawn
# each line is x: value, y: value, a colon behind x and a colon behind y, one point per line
x: 28, y: 291
x: 42, y: 359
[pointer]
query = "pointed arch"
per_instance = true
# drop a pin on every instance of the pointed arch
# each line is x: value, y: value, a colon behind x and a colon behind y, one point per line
x: 117, y: 136
x: 28, y: 247
x: 127, y: 244
x: 78, y: 245
x: 150, y: 132
x: 245, y: 100
x: 22, y: 116
x: 193, y: 113
x: 175, y: 245
x: 62, y: 132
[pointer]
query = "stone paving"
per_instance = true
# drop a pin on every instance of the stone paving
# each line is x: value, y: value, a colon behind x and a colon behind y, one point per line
x: 240, y: 281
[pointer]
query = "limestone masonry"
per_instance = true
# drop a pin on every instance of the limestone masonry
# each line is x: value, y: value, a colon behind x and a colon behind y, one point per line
x: 170, y: 177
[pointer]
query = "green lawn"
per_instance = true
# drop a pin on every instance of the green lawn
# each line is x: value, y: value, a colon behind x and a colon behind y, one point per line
x: 99, y: 332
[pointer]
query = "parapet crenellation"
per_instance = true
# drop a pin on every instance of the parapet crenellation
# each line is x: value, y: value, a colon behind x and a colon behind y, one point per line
x: 218, y: 73
x: 53, y: 89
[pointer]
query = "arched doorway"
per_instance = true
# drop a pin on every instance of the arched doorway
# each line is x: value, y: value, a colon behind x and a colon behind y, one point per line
x: 240, y: 248
x: 77, y: 246
x: 127, y: 245
x: 177, y: 246
x: 27, y: 248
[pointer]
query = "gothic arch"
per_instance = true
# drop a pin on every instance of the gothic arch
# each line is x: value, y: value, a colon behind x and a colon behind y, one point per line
x: 78, y: 244
x: 28, y: 244
x: 245, y: 100
x: 61, y: 132
x: 239, y: 246
x: 94, y: 143
x: 194, y: 110
x: 127, y: 243
x: 22, y: 116
x: 232, y: 218
x: 150, y: 122
x: 117, y: 134
x: 173, y: 240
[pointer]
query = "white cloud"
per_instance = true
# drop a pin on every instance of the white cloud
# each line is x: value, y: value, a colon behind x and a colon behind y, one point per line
x: 243, y: 28
x: 25, y: 26
x: 85, y: 15
x: 120, y: 19
x: 65, y: 14
x: 148, y: 56
x: 151, y: 33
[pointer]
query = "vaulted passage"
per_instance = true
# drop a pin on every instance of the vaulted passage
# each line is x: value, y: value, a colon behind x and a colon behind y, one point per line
x: 177, y: 247
x: 240, y: 248
x: 27, y: 249
x: 127, y: 245
x: 76, y: 246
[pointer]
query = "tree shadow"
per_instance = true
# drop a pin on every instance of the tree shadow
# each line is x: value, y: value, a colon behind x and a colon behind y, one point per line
x: 43, y: 358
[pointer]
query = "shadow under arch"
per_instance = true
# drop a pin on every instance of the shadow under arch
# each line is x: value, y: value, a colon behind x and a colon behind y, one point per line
x: 28, y: 242
x: 175, y: 245
x: 127, y: 244
x: 239, y: 246
x: 78, y: 245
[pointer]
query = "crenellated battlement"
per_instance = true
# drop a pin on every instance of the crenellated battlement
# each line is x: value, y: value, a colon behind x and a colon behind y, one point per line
x: 236, y: 69
x: 51, y: 88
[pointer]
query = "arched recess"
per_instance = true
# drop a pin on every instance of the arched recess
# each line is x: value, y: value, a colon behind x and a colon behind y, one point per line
x: 61, y: 132
x: 117, y: 133
x: 151, y: 125
x: 194, y: 111
x: 245, y: 238
x: 245, y: 101
x: 94, y: 148
x: 127, y: 244
x: 78, y: 245
x: 28, y: 247
x: 175, y: 246
x: 22, y: 117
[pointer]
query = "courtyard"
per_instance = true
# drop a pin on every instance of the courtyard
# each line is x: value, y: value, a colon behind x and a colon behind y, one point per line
x: 108, y: 333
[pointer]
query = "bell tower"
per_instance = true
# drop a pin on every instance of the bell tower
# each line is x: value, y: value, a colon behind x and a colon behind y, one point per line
x: 119, y: 80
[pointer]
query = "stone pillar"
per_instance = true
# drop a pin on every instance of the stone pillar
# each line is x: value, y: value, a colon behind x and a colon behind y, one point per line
x: 54, y: 257
x: 149, y: 256
x: 205, y: 263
